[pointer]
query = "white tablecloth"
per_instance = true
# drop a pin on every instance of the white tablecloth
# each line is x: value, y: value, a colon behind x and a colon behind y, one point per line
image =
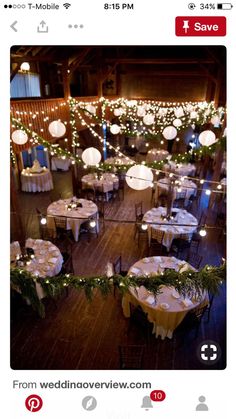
x: 74, y: 217
x: 171, y: 231
x: 224, y: 182
x: 60, y: 163
x: 108, y: 182
x: 164, y: 319
x: 119, y: 160
x: 36, y: 182
x: 182, y: 169
x: 47, y: 261
x: 155, y: 155
x: 224, y: 167
x: 162, y: 187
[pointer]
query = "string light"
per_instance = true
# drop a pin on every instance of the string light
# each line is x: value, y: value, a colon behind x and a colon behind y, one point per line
x: 92, y: 223
x: 144, y: 226
x: 128, y: 106
x: 203, y: 232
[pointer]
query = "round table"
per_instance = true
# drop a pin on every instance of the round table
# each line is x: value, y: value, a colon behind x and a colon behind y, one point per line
x: 167, y: 317
x: 181, y: 169
x: 223, y: 168
x: 61, y: 163
x: 155, y: 155
x: 36, y: 182
x: 107, y: 182
x: 170, y: 229
x: 187, y: 186
x: 75, y: 215
x: 47, y: 259
x: 122, y: 161
x: 224, y: 182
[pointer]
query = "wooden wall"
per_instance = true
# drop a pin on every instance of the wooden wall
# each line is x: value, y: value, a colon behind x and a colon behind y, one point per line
x: 52, y: 108
x: 165, y: 88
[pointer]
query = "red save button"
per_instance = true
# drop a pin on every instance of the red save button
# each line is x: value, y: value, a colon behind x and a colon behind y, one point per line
x: 200, y: 26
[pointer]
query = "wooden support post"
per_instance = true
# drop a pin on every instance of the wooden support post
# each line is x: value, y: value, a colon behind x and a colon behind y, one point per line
x: 170, y: 198
x: 20, y: 233
x: 66, y: 79
x: 74, y: 175
x: 99, y: 73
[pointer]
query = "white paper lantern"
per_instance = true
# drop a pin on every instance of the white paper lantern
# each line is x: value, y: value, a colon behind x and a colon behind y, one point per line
x: 91, y: 109
x: 215, y: 120
x: 193, y: 115
x: 139, y: 177
x: 25, y: 66
x: 117, y: 112
x: 132, y: 103
x: 91, y: 156
x: 207, y: 138
x: 179, y: 112
x: 177, y: 122
x: 115, y: 129
x: 141, y: 111
x: 169, y: 133
x: 19, y: 137
x: 189, y: 107
x: 162, y: 111
x: 57, y: 129
x: 148, y: 119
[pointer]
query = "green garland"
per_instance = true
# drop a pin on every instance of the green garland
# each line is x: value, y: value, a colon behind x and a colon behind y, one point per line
x: 207, y: 279
x: 178, y: 158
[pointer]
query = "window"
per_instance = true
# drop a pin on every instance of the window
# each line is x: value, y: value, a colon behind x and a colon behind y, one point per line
x: 25, y: 85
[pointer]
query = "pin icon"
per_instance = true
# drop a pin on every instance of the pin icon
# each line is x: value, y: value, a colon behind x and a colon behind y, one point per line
x: 33, y: 403
x: 89, y: 403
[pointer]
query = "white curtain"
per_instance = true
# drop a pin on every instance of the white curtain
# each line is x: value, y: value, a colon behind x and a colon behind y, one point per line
x: 25, y: 85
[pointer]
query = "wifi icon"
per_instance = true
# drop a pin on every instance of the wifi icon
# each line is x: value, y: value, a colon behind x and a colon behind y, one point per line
x: 67, y: 5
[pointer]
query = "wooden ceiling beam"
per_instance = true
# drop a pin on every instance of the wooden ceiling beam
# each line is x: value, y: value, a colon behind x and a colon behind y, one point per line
x: 78, y: 59
x: 18, y: 59
x: 164, y: 73
x: 161, y: 61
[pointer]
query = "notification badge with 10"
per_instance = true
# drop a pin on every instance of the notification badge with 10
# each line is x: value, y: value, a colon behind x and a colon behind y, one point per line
x: 157, y: 395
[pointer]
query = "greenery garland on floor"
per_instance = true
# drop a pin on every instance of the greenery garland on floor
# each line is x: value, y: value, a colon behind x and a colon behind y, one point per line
x: 189, y: 283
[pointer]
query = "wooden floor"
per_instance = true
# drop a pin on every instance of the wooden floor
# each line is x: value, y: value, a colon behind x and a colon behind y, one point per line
x: 77, y: 334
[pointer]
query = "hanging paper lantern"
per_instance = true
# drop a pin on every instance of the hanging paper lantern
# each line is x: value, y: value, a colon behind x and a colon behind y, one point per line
x: 115, y: 129
x: 91, y: 109
x: 177, y: 122
x: 193, y: 115
x: 162, y: 111
x: 57, y: 129
x: 91, y: 156
x: 179, y: 112
x: 189, y: 107
x: 117, y: 112
x: 25, y: 66
x: 215, y: 120
x: 148, y: 119
x: 19, y: 137
x: 169, y: 133
x: 207, y: 138
x: 132, y: 103
x: 141, y: 111
x: 139, y: 177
